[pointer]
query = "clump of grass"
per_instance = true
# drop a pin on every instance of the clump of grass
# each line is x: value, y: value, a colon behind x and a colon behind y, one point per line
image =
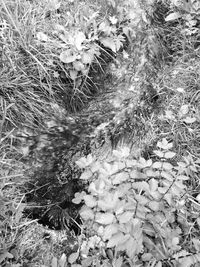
x: 32, y: 76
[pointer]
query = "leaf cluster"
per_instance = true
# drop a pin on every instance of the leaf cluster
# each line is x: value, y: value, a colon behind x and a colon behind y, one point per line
x: 131, y: 205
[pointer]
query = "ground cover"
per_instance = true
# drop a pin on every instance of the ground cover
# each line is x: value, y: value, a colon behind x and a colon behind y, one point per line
x: 99, y: 133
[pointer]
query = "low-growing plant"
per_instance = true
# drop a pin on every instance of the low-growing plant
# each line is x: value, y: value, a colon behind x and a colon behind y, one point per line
x: 135, y: 210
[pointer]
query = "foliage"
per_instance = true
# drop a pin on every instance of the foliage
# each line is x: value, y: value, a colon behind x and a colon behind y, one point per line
x: 137, y: 211
x: 127, y: 206
x: 189, y: 11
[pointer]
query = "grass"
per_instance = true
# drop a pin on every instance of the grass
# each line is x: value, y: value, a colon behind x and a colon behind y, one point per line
x: 32, y: 94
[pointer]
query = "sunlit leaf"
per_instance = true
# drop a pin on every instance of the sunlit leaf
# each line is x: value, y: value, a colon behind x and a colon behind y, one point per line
x: 183, y: 177
x: 73, y: 257
x: 109, y: 168
x: 141, y: 186
x: 85, y: 161
x: 157, y: 165
x: 90, y: 201
x: 109, y: 42
x: 109, y: 202
x: 169, y: 155
x: 167, y: 166
x: 97, y: 187
x: 87, y: 57
x: 62, y: 261
x: 125, y: 217
x: 173, y: 16
x: 86, y: 213
x: 122, y: 152
x: 153, y: 185
x: 42, y: 37
x: 79, y: 39
x: 159, y: 153
x: 68, y: 56
x: 109, y: 231
x: 78, y: 197
x: 116, y: 239
x: 189, y: 120
x: 86, y: 175
x: 73, y: 74
x: 54, y: 262
x: 78, y: 65
x: 164, y: 144
x: 134, y: 174
x: 167, y: 176
x: 154, y: 205
x: 104, y: 218
x: 183, y: 110
x: 120, y: 177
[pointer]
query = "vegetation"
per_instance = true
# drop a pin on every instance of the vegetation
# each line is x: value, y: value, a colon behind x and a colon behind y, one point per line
x: 99, y: 133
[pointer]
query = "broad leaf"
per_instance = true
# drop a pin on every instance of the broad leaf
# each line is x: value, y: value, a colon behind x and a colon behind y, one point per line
x: 86, y: 213
x: 104, y: 218
x: 90, y: 201
x: 116, y: 240
x: 73, y: 257
x: 173, y: 16
x: 68, y: 56
x: 120, y: 177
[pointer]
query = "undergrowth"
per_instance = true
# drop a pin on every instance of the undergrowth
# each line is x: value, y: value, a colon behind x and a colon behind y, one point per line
x: 137, y: 211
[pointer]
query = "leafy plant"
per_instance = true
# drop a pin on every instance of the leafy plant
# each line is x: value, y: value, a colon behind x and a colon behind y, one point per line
x: 127, y: 206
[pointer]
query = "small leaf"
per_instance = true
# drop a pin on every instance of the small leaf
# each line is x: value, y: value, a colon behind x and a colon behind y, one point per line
x: 78, y: 65
x: 167, y: 176
x: 164, y: 144
x: 117, y: 262
x: 169, y: 155
x: 136, y: 175
x: 62, y: 260
x: 86, y: 175
x: 73, y: 257
x: 189, y: 120
x: 104, y: 218
x: 113, y: 20
x: 116, y: 239
x: 42, y: 37
x: 157, y: 165
x: 87, y: 57
x: 85, y: 161
x: 109, y: 231
x: 54, y: 262
x: 79, y: 39
x: 86, y: 213
x: 182, y: 177
x: 109, y: 42
x: 173, y: 16
x: 122, y: 152
x: 183, y: 110
x: 154, y: 205
x: 73, y: 74
x: 68, y: 56
x: 158, y: 264
x: 158, y: 153
x: 90, y: 201
x: 87, y: 262
x: 120, y: 177
x: 169, y: 115
x: 153, y: 185
x: 167, y: 166
x: 125, y: 217
x: 180, y: 90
